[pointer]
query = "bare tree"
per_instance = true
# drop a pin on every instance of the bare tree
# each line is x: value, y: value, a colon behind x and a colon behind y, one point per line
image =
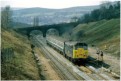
x: 36, y: 21
x: 6, y: 17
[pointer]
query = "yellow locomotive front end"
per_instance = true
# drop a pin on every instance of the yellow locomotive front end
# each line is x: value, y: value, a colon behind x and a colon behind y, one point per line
x: 80, y: 51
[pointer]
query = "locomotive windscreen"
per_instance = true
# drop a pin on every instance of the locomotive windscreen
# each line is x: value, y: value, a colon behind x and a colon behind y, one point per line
x: 81, y: 45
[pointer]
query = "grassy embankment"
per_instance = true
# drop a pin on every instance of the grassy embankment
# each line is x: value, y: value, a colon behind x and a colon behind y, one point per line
x: 19, y: 65
x: 101, y: 33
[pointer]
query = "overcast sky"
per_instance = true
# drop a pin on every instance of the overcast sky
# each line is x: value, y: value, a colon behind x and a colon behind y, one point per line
x: 56, y: 4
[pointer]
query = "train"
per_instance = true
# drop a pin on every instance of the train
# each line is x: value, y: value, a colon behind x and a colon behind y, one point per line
x: 73, y: 50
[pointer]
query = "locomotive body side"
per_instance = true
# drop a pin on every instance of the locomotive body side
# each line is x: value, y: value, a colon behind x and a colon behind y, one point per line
x: 68, y: 50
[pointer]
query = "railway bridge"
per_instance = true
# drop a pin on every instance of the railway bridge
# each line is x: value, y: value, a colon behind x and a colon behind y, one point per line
x: 61, y: 28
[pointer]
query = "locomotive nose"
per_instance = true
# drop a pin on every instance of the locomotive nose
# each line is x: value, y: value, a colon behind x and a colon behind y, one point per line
x: 82, y: 53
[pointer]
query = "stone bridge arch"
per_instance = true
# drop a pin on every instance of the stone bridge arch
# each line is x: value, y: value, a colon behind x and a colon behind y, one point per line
x: 52, y: 31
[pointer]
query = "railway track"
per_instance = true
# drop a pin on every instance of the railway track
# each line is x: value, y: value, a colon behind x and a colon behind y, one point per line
x: 67, y: 70
x: 96, y: 75
x: 102, y: 71
x: 34, y: 42
x: 63, y: 71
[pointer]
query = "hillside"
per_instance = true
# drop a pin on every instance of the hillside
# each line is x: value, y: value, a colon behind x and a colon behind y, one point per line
x: 17, y: 61
x: 101, y: 33
x: 50, y: 16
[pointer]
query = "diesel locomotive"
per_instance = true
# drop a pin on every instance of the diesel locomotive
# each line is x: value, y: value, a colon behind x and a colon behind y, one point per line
x: 73, y: 50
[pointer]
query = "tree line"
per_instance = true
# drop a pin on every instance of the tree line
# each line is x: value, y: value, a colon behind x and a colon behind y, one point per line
x: 107, y: 10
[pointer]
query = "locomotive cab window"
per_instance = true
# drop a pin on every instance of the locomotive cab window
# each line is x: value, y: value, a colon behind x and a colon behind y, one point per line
x: 81, y: 45
x: 85, y: 46
x: 78, y: 45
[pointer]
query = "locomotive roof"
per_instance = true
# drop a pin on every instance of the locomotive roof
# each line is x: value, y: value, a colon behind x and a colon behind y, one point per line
x: 71, y: 43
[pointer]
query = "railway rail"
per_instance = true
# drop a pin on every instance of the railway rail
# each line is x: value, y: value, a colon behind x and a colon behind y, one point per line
x: 67, y: 69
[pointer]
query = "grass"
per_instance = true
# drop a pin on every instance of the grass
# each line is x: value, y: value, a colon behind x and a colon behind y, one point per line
x: 22, y: 66
x: 100, y: 33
